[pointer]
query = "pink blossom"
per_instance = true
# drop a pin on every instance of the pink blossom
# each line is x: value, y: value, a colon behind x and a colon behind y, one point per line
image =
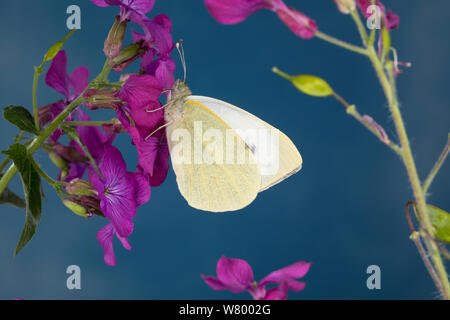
x: 236, y: 275
x: 235, y: 11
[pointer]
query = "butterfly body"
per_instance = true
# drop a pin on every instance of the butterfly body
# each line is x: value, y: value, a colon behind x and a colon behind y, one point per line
x: 222, y: 155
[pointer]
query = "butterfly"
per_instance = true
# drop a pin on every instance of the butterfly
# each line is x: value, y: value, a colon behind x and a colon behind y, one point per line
x: 222, y: 155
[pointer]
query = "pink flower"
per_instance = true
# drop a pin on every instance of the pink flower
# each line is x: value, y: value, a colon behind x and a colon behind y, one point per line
x: 235, y: 11
x: 134, y: 10
x: 236, y: 275
x: 120, y: 193
x: 392, y: 20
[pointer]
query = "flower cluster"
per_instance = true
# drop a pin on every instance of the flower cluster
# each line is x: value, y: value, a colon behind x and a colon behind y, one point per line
x: 109, y: 189
x: 236, y: 275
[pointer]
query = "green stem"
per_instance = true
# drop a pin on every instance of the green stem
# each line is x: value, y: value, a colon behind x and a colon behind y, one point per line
x: 88, y: 123
x: 41, y: 138
x: 361, y: 28
x: 53, y: 183
x: 37, y: 72
x: 436, y: 166
x: 351, y: 110
x: 389, y: 88
x: 341, y: 43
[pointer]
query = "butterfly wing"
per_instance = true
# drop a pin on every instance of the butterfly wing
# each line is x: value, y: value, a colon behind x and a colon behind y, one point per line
x: 196, y: 143
x: 277, y: 156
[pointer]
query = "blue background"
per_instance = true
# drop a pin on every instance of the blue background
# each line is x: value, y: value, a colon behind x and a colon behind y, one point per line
x: 343, y: 211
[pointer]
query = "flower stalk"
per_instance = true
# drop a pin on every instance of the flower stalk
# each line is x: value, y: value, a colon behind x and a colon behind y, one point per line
x: 387, y: 80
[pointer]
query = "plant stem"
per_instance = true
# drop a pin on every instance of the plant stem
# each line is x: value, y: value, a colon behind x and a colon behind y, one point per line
x: 41, y: 138
x: 389, y: 88
x: 88, y: 123
x: 37, y: 72
x: 436, y: 166
x: 351, y: 110
x: 341, y: 43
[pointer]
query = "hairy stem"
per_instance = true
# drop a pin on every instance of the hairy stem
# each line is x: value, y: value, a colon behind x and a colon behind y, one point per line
x: 389, y: 88
x: 341, y: 43
x: 437, y: 166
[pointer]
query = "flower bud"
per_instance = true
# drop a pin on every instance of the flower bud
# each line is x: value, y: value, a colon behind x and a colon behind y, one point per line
x: 299, y: 23
x: 127, y: 56
x: 114, y: 128
x: 78, y: 187
x: 58, y: 161
x: 345, y: 6
x: 70, y: 154
x: 76, y: 208
x: 113, y: 42
x: 97, y: 99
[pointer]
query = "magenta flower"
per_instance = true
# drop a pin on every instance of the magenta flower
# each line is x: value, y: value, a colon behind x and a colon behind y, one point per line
x: 235, y: 11
x: 70, y: 86
x: 392, y: 20
x: 120, y: 192
x: 133, y: 10
x: 236, y: 275
x: 158, y: 41
x: 153, y: 152
x: 105, y: 236
x: 141, y: 92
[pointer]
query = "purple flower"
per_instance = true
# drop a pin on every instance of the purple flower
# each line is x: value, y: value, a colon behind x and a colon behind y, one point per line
x: 133, y: 10
x: 141, y: 92
x: 105, y: 237
x: 392, y: 20
x: 153, y: 152
x: 235, y: 11
x: 94, y: 140
x: 70, y: 86
x: 157, y: 39
x: 120, y: 192
x: 236, y: 275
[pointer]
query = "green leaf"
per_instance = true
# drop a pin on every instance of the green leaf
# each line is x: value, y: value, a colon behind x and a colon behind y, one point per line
x: 9, y: 197
x: 440, y: 220
x: 54, y: 49
x: 308, y: 84
x: 20, y: 117
x: 32, y: 189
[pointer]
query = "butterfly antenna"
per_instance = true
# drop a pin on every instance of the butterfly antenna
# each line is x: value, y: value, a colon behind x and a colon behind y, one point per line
x: 162, y: 127
x: 182, y: 57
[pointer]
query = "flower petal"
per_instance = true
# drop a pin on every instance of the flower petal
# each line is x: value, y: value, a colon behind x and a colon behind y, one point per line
x: 79, y: 80
x: 276, y: 294
x: 294, y: 271
x: 235, y: 274
x: 57, y: 76
x: 140, y: 90
x: 235, y: 11
x: 142, y: 190
x: 105, y: 238
x: 113, y: 166
x: 298, y: 22
x: 214, y: 283
x: 141, y: 6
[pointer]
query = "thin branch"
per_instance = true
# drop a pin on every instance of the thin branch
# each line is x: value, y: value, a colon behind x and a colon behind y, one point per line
x: 341, y: 43
x: 437, y: 166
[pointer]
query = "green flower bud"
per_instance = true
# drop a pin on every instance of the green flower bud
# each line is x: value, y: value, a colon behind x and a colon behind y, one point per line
x: 78, y: 187
x: 76, y: 208
x: 113, y: 42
